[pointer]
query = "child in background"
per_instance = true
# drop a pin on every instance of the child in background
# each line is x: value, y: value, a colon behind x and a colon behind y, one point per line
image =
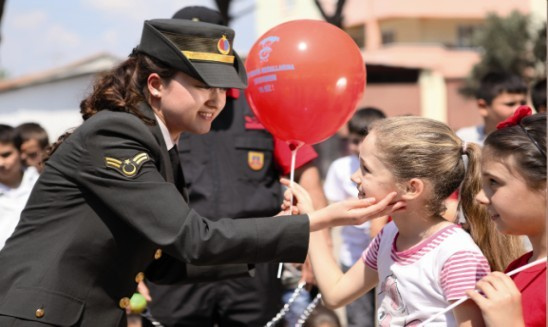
x: 514, y: 191
x: 338, y: 187
x: 16, y: 181
x: 35, y: 144
x: 421, y: 261
x: 498, y: 95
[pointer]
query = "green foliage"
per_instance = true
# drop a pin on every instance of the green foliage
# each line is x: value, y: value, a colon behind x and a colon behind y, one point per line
x: 3, y: 74
x: 508, y: 44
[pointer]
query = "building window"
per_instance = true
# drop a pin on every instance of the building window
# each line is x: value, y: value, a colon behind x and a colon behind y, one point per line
x: 357, y: 33
x: 388, y: 37
x: 465, y: 35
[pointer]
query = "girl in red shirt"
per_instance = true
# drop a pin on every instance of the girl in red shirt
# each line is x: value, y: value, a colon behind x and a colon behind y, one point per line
x: 514, y: 191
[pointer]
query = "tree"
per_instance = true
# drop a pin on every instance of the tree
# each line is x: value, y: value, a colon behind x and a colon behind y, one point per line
x: 337, y: 17
x: 224, y: 8
x: 539, y: 51
x: 2, y: 5
x: 508, y: 44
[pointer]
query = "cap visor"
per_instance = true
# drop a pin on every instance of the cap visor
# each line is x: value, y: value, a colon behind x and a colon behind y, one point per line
x: 219, y: 75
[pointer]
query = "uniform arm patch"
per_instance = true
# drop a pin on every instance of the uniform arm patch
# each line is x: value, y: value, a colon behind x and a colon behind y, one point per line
x: 127, y: 167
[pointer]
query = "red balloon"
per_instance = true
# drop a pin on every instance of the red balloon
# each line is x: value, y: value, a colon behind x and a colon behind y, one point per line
x: 305, y: 79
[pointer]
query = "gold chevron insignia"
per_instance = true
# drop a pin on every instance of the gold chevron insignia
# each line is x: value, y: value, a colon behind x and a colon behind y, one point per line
x: 127, y: 167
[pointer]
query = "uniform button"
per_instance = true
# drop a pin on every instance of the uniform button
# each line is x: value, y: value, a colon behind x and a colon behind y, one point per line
x: 158, y: 254
x: 139, y: 277
x: 40, y: 313
x: 124, y: 302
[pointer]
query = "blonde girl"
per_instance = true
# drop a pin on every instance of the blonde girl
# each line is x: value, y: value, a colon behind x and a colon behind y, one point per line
x: 420, y: 262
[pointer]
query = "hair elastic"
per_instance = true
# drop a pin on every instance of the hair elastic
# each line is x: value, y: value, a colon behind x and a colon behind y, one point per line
x: 464, y: 147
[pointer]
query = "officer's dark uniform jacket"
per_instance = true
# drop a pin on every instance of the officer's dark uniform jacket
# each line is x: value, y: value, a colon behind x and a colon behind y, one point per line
x: 103, y: 210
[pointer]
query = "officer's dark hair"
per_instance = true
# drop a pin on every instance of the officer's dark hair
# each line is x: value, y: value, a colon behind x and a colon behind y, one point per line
x: 538, y: 95
x: 495, y: 83
x: 524, y: 143
x: 33, y: 131
x: 362, y: 118
x: 122, y: 89
x: 8, y: 136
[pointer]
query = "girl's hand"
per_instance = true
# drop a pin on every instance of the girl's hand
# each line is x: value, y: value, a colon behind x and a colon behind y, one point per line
x: 501, y: 305
x: 353, y: 212
x: 285, y: 210
x: 302, y: 202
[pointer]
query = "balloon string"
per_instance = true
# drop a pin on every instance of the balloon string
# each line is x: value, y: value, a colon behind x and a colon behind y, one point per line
x: 464, y: 298
x: 291, y: 179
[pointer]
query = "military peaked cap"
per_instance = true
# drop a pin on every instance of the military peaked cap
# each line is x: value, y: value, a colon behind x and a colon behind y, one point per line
x: 202, y: 50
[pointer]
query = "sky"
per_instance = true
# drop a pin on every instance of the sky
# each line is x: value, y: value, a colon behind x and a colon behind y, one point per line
x: 43, y: 34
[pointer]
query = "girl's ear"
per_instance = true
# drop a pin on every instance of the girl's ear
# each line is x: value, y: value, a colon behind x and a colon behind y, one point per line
x: 413, y: 188
x: 154, y: 85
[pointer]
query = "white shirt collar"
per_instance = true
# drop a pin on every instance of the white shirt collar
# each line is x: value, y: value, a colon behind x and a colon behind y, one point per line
x: 30, y: 175
x: 165, y: 133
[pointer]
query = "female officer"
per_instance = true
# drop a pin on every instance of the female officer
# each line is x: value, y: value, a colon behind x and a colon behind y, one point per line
x: 106, y: 210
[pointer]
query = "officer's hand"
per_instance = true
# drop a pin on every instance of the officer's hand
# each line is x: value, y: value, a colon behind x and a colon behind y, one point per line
x: 143, y: 289
x: 353, y: 212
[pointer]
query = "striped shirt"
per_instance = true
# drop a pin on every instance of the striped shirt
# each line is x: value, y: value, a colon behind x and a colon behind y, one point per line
x: 420, y: 281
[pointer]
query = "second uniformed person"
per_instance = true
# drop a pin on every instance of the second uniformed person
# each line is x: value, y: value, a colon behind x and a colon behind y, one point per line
x: 105, y: 212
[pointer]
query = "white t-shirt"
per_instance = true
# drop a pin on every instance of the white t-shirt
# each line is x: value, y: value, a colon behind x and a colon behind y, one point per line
x: 475, y: 134
x: 13, y: 201
x: 338, y: 187
x: 419, y: 282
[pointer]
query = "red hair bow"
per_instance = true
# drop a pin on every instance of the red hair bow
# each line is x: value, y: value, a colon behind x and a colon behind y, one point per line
x: 519, y: 114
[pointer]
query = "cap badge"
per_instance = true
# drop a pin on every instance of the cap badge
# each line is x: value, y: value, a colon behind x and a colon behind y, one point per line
x: 127, y: 167
x: 223, y: 45
x: 255, y: 160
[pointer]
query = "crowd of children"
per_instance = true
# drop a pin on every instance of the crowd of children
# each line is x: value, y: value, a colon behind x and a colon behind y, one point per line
x: 21, y: 152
